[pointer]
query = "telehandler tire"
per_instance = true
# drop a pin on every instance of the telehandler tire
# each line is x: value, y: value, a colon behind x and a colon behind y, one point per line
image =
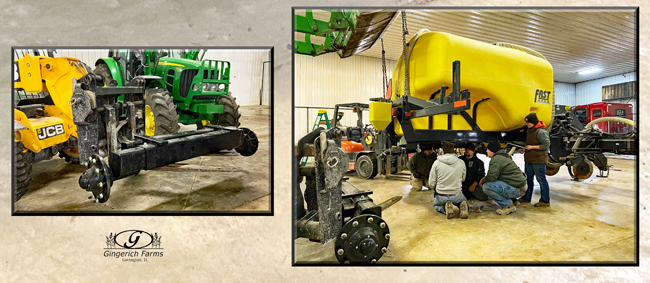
x: 24, y: 161
x: 160, y: 109
x: 102, y: 69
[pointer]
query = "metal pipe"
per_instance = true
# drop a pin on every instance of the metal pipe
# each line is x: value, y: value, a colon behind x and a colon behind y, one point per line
x: 604, y: 119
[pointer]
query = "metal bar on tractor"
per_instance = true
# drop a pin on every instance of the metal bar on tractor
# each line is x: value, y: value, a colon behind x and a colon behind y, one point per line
x: 182, y: 134
x: 131, y: 116
x: 152, y: 140
x: 111, y: 128
x: 111, y: 91
x: 130, y: 161
x: 358, y: 193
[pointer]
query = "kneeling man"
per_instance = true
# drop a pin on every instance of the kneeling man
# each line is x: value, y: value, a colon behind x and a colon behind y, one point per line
x: 504, y: 180
x: 446, y: 176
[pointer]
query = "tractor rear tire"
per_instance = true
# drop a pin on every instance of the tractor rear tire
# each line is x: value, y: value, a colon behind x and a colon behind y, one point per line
x: 24, y: 161
x: 164, y: 111
x: 366, y: 166
x: 230, y: 115
x: 102, y: 69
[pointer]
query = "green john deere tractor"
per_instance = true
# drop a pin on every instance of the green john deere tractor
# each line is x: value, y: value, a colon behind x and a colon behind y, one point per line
x: 182, y: 88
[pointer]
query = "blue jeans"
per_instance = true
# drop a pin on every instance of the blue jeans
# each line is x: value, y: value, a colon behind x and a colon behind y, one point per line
x: 439, y: 201
x: 539, y: 171
x: 501, y: 192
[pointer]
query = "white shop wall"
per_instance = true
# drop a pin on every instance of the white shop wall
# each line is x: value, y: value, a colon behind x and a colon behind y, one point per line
x: 88, y: 56
x: 326, y: 80
x: 246, y: 73
x: 564, y: 93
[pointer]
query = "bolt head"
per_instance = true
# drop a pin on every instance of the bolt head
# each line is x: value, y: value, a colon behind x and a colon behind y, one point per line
x: 96, y: 170
x: 382, y: 225
x: 387, y: 236
x: 373, y: 261
x: 370, y: 220
x: 355, y: 224
x: 340, y: 252
x: 101, y: 195
x: 346, y: 262
x: 384, y: 250
x: 344, y: 236
x: 101, y: 184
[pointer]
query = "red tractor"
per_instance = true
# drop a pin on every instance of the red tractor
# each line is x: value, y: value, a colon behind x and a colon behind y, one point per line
x: 593, y: 111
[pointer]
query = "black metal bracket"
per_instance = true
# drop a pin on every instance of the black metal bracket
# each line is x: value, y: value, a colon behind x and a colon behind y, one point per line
x: 602, y: 173
x: 152, y: 140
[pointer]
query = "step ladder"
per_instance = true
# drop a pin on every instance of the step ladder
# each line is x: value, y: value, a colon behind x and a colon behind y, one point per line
x: 319, y: 118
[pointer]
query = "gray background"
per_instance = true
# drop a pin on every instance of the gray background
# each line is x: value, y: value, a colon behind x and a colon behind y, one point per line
x: 218, y: 248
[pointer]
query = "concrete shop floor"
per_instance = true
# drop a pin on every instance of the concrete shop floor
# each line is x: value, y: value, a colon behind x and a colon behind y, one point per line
x: 234, y: 183
x: 589, y: 221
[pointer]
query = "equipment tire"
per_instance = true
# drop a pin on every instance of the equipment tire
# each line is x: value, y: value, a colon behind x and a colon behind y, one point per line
x: 366, y: 166
x: 164, y: 111
x: 24, y: 161
x: 583, y: 170
x: 102, y: 69
x: 230, y: 115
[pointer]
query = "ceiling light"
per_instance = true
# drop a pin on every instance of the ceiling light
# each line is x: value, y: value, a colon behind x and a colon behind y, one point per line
x: 589, y: 71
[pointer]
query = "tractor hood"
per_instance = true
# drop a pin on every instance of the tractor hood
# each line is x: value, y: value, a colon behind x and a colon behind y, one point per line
x: 178, y: 62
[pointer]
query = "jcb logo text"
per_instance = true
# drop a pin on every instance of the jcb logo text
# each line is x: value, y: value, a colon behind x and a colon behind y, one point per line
x: 49, y: 131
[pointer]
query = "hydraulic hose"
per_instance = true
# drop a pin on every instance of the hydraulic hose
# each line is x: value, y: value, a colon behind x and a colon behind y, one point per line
x: 600, y: 120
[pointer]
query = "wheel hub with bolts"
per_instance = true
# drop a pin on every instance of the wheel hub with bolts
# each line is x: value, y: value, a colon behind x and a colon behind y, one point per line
x: 366, y: 166
x: 97, y: 179
x: 362, y: 240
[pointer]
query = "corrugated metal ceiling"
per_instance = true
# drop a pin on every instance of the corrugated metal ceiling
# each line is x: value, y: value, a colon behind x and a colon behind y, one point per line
x: 572, y: 40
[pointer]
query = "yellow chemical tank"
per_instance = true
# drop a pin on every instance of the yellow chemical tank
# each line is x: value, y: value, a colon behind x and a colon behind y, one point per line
x: 517, y: 80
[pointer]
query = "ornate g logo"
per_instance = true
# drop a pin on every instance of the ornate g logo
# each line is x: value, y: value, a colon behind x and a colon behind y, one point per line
x: 133, y: 239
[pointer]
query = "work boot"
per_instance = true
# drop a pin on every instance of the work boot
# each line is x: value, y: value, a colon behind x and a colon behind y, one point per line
x: 507, y: 210
x: 515, y: 201
x: 522, y: 200
x: 449, y: 210
x: 542, y: 204
x: 464, y: 209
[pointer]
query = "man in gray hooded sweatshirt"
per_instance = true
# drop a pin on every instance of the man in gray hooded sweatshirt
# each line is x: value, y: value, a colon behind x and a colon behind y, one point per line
x: 447, y: 176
